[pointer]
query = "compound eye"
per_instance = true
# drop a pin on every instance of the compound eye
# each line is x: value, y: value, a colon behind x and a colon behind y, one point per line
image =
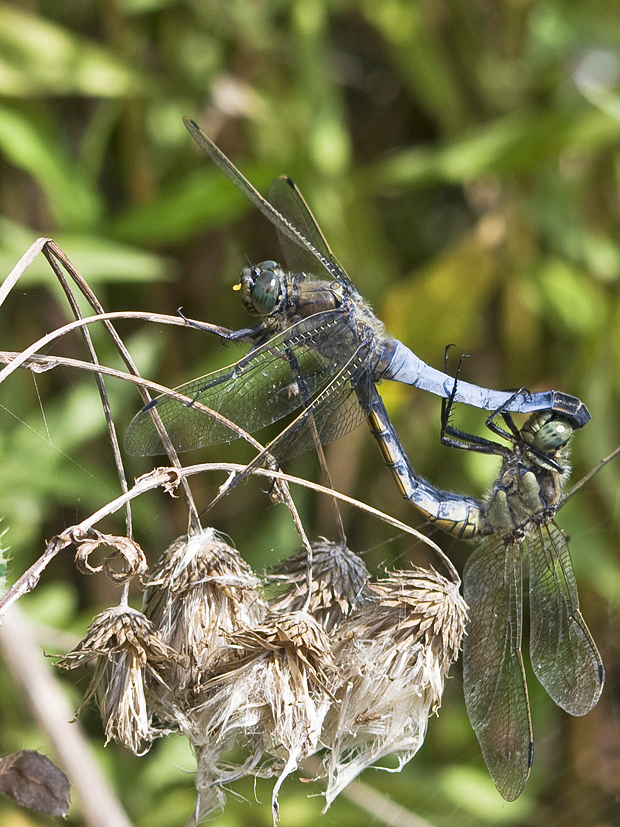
x: 553, y: 435
x: 266, y: 288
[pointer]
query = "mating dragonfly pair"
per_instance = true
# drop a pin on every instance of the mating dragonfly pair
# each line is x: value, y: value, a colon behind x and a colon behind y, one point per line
x: 319, y: 349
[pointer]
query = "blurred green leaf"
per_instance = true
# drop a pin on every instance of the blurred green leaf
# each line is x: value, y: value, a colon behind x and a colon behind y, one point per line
x: 602, y: 254
x: 516, y: 143
x: 38, y: 57
x: 71, y: 196
x: 173, y: 759
x: 437, y: 286
x: 577, y: 303
x: 473, y: 790
x: 422, y: 58
x: 144, y: 6
x: 101, y: 260
x: 55, y: 604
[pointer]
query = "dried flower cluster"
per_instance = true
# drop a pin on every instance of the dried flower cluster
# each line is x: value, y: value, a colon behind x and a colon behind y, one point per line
x: 394, y: 654
x: 332, y: 662
x: 128, y: 653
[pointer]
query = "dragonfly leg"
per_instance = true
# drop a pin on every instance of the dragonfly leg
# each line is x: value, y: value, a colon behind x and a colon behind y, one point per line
x: 453, y: 437
x: 512, y: 435
x: 448, y: 403
x: 245, y: 334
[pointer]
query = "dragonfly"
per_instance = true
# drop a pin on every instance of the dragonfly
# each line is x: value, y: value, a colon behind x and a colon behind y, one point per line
x: 317, y: 350
x: 515, y: 524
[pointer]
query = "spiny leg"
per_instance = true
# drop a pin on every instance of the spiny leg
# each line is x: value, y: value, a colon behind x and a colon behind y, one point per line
x: 455, y: 438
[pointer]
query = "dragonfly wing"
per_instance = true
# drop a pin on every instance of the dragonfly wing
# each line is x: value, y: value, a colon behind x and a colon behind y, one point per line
x: 282, y: 223
x: 493, y: 675
x: 288, y: 200
x: 333, y: 413
x: 257, y: 390
x: 563, y: 654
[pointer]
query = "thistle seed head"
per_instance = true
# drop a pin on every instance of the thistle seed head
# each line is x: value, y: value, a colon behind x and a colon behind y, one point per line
x: 339, y: 583
x: 126, y: 650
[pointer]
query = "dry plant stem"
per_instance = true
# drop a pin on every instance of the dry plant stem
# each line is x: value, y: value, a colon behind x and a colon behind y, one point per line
x: 590, y: 474
x: 35, y: 361
x: 169, y: 478
x: 30, y: 578
x: 46, y: 340
x: 33, y: 675
x: 381, y: 807
x: 48, y: 362
x: 53, y: 252
x: 49, y: 252
x: 25, y: 261
x: 330, y: 492
x: 39, y: 362
x: 290, y: 504
x: 25, y: 355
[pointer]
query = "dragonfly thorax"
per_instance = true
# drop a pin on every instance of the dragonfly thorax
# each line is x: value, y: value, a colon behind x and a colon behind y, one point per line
x: 521, y: 497
x: 528, y: 489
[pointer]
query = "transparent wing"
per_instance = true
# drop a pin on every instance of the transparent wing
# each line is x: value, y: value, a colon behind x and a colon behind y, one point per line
x: 564, y: 656
x: 336, y: 411
x: 493, y: 675
x: 288, y: 200
x: 282, y: 223
x: 255, y: 391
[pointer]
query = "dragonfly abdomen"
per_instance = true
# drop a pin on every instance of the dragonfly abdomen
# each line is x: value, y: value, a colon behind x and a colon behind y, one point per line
x: 455, y: 514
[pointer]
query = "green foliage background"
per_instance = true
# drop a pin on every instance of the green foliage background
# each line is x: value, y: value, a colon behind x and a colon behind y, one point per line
x: 462, y: 160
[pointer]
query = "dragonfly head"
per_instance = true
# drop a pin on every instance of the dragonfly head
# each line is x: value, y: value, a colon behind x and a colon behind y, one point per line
x: 547, y: 432
x: 262, y: 287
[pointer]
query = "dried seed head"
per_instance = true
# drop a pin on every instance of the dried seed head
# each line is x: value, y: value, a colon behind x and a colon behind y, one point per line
x: 125, y: 648
x: 199, y: 592
x: 295, y: 635
x: 276, y: 694
x: 339, y: 583
x: 209, y: 658
x: 421, y: 603
x: 394, y: 655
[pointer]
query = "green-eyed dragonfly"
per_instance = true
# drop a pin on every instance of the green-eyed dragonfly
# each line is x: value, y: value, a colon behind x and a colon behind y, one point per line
x: 318, y: 348
x: 515, y: 521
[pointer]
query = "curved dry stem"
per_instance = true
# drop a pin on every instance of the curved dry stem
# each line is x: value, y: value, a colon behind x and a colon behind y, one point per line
x: 169, y: 479
x: 38, y: 363
x: 46, y: 340
x: 54, y: 254
x: 29, y: 356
